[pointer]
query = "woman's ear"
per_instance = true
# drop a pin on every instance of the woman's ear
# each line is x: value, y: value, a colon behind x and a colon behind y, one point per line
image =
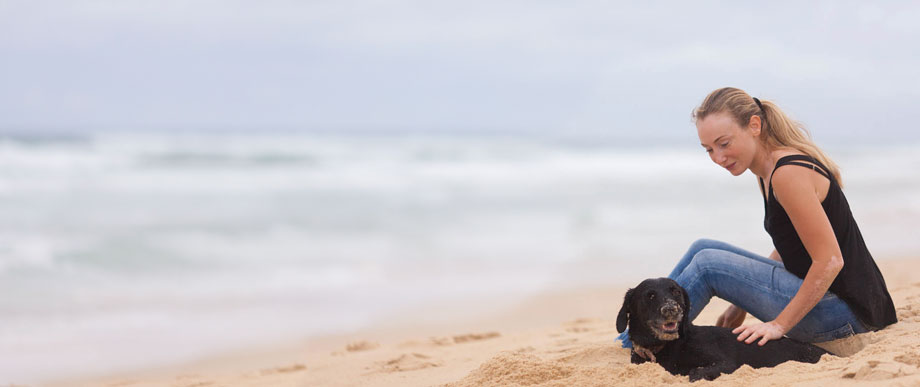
x: 623, y: 316
x: 755, y: 125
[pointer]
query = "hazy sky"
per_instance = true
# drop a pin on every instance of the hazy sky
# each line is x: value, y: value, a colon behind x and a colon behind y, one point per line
x: 570, y: 66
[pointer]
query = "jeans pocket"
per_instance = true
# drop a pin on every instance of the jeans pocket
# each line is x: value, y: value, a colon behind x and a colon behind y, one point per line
x: 845, y: 331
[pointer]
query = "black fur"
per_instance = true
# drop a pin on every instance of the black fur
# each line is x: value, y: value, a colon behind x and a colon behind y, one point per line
x: 701, y: 352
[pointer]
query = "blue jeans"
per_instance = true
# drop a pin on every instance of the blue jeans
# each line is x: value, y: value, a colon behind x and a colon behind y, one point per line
x: 760, y: 286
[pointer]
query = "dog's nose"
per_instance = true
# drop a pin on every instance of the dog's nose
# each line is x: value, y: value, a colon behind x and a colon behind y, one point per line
x: 670, y: 310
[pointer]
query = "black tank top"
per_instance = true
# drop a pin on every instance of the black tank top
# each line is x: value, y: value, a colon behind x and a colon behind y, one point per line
x: 859, y: 283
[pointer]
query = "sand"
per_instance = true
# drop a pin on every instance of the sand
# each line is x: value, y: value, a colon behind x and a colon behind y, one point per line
x: 564, y: 338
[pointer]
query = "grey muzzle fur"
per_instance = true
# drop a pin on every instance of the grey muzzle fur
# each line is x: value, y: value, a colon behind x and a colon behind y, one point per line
x: 671, y: 310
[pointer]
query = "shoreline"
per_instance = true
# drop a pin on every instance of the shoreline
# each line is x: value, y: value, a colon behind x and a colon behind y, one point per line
x: 409, y: 349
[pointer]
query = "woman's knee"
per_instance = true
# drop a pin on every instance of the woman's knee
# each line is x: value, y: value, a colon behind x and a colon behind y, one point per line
x: 695, y: 248
x: 707, y: 262
x: 708, y: 257
x: 701, y: 264
x: 702, y: 244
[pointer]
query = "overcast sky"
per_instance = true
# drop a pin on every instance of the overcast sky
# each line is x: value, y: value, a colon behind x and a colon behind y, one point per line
x: 569, y: 66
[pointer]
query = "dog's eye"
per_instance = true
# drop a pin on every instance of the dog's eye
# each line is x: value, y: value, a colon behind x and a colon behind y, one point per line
x: 651, y: 296
x: 675, y: 291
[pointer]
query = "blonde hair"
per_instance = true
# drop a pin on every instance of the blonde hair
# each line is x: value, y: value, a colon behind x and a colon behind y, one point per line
x: 777, y: 129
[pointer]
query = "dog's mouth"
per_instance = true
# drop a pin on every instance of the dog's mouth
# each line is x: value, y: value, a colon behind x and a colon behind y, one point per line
x: 666, y: 330
x: 669, y: 327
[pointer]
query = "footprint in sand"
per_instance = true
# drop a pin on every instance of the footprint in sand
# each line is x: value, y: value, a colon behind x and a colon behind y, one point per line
x: 285, y: 370
x: 585, y: 321
x: 408, y: 362
x: 582, y: 325
x: 910, y: 312
x: 475, y: 337
x: 442, y: 340
x: 183, y: 381
x: 909, y: 358
x: 361, y: 346
x: 458, y: 339
x: 877, y: 370
x: 192, y: 380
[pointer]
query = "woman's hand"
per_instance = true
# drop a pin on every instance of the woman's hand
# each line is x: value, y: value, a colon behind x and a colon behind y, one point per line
x: 732, y: 317
x: 764, y: 331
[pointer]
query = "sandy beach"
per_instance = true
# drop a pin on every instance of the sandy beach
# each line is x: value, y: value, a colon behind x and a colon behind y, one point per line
x: 427, y: 273
x: 418, y: 193
x: 562, y: 338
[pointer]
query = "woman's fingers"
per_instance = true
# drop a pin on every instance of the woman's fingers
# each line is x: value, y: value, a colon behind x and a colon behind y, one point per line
x: 750, y: 333
x: 745, y: 332
x: 755, y: 334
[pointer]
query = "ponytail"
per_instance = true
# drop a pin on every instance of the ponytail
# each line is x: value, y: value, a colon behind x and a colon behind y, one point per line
x: 777, y: 129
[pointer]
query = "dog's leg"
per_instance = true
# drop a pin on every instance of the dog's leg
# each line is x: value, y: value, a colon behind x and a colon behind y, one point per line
x: 643, y: 353
x: 712, y: 372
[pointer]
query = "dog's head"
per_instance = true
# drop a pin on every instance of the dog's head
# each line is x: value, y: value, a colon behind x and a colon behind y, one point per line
x: 657, y: 310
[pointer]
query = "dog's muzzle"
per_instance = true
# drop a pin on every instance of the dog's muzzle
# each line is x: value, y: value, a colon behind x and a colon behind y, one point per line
x: 667, y: 328
x: 671, y: 311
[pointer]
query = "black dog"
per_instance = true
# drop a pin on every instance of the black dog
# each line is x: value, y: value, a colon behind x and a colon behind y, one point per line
x: 658, y: 315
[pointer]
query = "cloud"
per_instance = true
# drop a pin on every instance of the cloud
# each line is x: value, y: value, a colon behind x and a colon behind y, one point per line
x: 428, y: 64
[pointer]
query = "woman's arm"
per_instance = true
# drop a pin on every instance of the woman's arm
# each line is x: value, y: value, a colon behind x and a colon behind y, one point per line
x: 800, y: 197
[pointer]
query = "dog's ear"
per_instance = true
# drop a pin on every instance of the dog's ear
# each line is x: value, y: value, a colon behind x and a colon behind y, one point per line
x: 685, y: 322
x: 623, y: 316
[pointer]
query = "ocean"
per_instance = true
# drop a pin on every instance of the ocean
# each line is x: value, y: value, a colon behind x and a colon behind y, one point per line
x: 123, y: 250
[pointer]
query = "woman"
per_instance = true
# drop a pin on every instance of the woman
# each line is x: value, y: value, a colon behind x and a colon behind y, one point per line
x: 820, y: 283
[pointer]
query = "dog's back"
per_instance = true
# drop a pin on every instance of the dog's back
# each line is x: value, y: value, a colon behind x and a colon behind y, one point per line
x: 707, y: 351
x: 770, y: 354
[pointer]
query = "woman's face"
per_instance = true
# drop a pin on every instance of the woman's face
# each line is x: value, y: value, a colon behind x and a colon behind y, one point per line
x: 728, y: 144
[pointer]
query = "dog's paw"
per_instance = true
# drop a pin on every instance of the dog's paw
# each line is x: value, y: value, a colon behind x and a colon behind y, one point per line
x: 644, y: 353
x: 636, y: 359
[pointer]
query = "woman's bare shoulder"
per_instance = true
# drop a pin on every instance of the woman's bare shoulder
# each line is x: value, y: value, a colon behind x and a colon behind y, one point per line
x: 791, y: 181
